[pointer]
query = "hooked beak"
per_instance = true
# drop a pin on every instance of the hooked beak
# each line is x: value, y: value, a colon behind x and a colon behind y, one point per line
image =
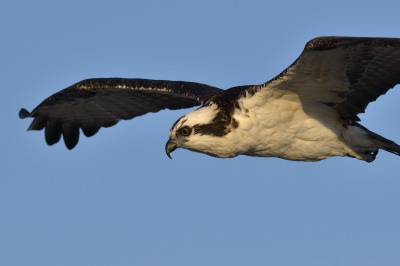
x: 170, y: 147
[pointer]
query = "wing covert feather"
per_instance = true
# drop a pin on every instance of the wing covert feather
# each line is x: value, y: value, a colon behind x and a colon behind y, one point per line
x: 346, y: 73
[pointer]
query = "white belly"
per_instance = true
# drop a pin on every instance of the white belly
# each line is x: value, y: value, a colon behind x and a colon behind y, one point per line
x: 281, y: 128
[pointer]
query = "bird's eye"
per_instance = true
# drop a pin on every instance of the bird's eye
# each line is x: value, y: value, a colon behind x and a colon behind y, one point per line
x: 185, y: 131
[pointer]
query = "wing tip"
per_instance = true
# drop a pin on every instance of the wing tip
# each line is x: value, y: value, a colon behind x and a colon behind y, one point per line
x: 70, y: 146
x: 23, y: 113
x: 332, y: 42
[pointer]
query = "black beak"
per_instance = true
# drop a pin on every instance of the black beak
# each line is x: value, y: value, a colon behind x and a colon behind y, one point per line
x: 170, y: 147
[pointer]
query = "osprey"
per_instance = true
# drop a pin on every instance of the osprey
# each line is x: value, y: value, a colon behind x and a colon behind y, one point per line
x: 306, y: 113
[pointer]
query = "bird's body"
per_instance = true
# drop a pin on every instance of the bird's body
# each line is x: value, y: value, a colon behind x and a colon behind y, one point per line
x: 307, y: 113
x: 285, y: 130
x: 275, y: 124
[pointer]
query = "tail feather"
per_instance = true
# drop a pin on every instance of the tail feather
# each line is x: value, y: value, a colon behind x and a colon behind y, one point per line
x: 386, y: 144
x: 383, y: 143
x: 378, y: 142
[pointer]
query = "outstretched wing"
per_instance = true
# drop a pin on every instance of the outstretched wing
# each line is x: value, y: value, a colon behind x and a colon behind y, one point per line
x: 346, y: 73
x: 95, y: 103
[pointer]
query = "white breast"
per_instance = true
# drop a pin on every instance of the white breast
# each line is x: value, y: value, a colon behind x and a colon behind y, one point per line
x: 276, y: 125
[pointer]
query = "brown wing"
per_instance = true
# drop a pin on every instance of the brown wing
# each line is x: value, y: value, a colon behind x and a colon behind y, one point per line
x: 346, y: 73
x: 95, y: 103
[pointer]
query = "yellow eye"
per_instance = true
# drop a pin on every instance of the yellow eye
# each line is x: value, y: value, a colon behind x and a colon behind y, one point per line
x: 185, y: 131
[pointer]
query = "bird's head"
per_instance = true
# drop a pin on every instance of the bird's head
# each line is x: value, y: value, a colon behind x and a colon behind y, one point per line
x: 201, y: 130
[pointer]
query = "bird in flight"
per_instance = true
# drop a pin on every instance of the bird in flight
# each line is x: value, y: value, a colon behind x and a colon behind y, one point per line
x: 306, y: 113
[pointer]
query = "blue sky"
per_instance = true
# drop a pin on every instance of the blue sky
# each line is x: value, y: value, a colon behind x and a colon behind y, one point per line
x: 117, y: 199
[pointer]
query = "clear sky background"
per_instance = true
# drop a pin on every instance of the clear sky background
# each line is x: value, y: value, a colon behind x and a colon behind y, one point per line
x: 117, y: 199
